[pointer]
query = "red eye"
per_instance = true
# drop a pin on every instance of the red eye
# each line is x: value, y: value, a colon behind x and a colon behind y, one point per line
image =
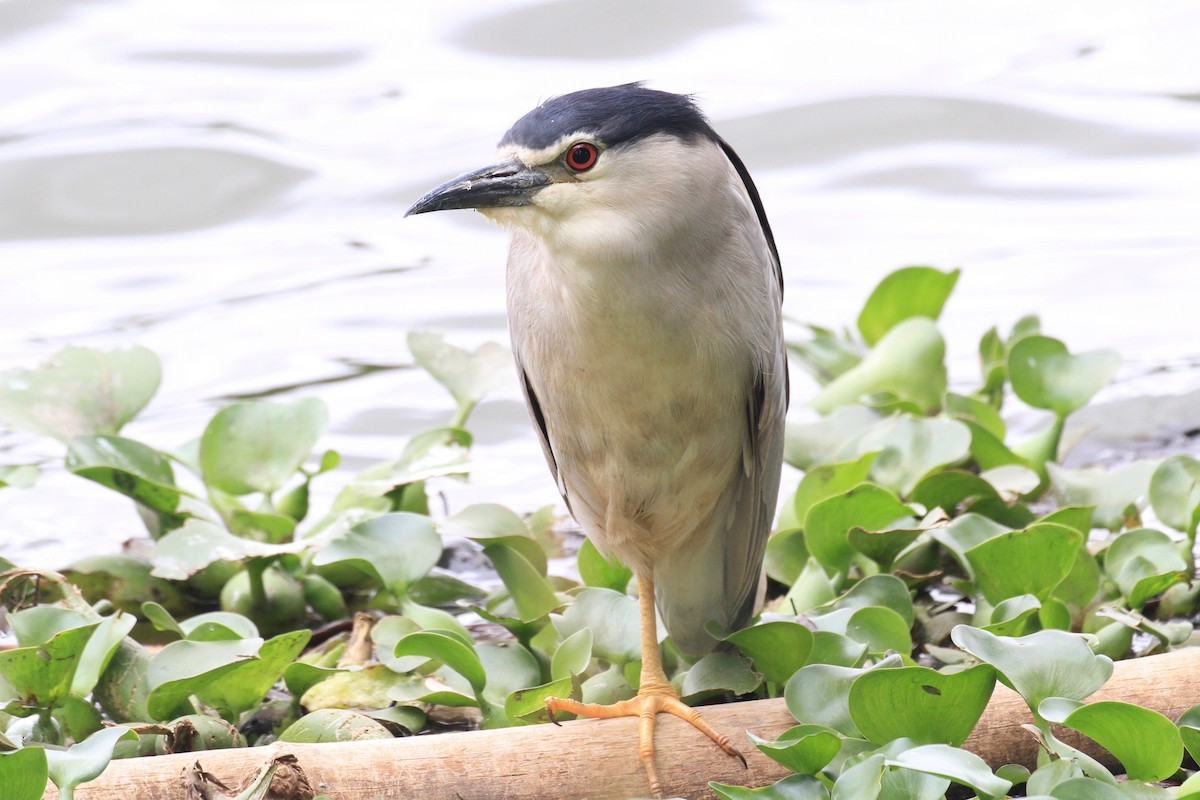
x: 581, y: 156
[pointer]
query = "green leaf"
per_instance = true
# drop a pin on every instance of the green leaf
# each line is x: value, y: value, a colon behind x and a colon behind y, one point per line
x: 836, y: 649
x: 597, y: 570
x: 529, y: 705
x: 573, y: 655
x: 1175, y: 493
x: 79, y: 391
x: 777, y: 649
x: 862, y: 781
x: 198, y: 543
x: 882, y: 546
x: 717, y: 673
x: 820, y: 693
x: 812, y: 588
x: 467, y: 375
x: 972, y: 409
x: 887, y: 591
x: 20, y: 476
x: 911, y: 447
x: 1143, y: 563
x: 450, y: 651
x: 948, y: 489
x: 399, y: 548
x: 483, y: 521
x: 793, y: 787
x: 1040, y: 665
x: 881, y: 629
x: 257, y: 446
x: 921, y: 704
x: 431, y: 453
x: 1146, y: 743
x: 98, y: 652
x: 958, y: 765
x: 786, y: 554
x: 23, y: 773
x: 42, y: 674
x: 1032, y: 561
x: 84, y: 761
x: 1189, y: 730
x: 530, y: 591
x: 906, y: 364
x: 828, y: 480
x: 906, y: 292
x: 1084, y: 788
x: 613, y: 620
x: 245, y: 686
x: 827, y: 354
x: 827, y: 439
x: 130, y: 467
x: 184, y: 668
x: 509, y: 668
x: 334, y: 725
x: 804, y: 748
x: 1045, y: 375
x: 964, y: 533
x: 1111, y: 492
x: 829, y: 521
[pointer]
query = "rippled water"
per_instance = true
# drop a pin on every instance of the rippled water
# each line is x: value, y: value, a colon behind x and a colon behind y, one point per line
x: 223, y: 182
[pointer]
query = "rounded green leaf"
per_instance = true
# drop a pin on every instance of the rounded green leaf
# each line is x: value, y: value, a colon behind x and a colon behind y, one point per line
x: 907, y: 292
x: 958, y: 765
x: 449, y: 650
x: 530, y: 591
x: 79, y: 391
x: 484, y: 521
x: 1084, y: 788
x: 907, y: 363
x: 400, y: 548
x: 529, y: 705
x: 804, y: 748
x: 245, y: 686
x: 793, y: 787
x: 42, y: 674
x: 84, y: 761
x: 1110, y: 491
x: 1143, y: 563
x: 1040, y: 665
x: 198, y: 543
x: 509, y: 667
x: 948, y: 489
x: 921, y: 704
x: 819, y: 693
x: 1045, y: 375
x: 1031, y: 561
x: 717, y: 673
x: 828, y: 439
x: 468, y: 375
x: 130, y: 467
x: 911, y: 447
x: 1146, y: 743
x: 23, y: 773
x: 613, y: 620
x: 965, y: 532
x: 879, y: 590
x: 1175, y: 493
x: 334, y: 725
x: 257, y: 446
x: 777, y: 649
x: 827, y: 480
x: 862, y: 781
x: 828, y: 522
x: 184, y: 668
x: 597, y: 570
x: 573, y: 656
x: 881, y: 629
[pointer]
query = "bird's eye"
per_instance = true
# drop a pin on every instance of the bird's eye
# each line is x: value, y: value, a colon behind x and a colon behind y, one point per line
x: 582, y: 156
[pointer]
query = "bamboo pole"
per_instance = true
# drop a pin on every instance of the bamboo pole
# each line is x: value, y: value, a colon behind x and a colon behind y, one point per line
x: 597, y: 759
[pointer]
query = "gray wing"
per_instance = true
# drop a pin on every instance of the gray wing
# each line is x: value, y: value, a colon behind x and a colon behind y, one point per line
x: 539, y: 423
x: 744, y: 519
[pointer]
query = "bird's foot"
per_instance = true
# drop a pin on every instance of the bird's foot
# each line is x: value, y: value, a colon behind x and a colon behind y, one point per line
x: 651, y: 699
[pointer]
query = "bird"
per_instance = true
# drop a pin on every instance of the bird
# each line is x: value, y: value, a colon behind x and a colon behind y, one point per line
x: 644, y: 294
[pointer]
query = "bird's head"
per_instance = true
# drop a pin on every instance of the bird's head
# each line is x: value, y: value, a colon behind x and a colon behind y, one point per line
x: 595, y: 168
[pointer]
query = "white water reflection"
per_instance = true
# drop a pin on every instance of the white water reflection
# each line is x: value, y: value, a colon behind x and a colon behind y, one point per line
x: 223, y: 182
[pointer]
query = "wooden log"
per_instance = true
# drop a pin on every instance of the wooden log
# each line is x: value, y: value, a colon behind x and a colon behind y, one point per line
x: 597, y: 759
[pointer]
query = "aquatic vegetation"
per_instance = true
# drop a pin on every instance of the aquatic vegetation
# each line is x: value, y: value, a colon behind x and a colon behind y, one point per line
x: 922, y: 557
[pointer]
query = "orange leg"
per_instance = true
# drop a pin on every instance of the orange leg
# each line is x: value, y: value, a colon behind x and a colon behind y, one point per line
x: 655, y: 695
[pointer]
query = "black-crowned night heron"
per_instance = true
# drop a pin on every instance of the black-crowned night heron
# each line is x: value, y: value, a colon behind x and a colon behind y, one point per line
x: 644, y: 294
